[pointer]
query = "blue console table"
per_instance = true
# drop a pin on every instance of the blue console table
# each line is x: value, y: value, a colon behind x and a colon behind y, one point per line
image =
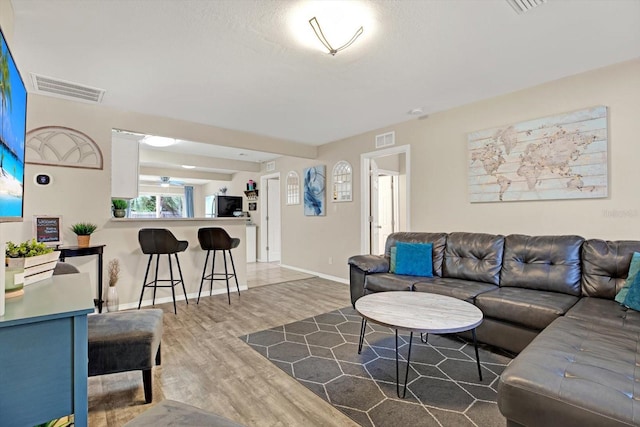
x: 43, y: 352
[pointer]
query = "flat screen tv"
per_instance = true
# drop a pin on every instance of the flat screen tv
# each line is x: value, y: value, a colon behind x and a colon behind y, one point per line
x: 227, y: 205
x: 13, y: 121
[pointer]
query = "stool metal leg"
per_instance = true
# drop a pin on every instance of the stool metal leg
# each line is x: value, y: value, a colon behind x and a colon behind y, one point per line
x: 173, y: 288
x: 155, y: 282
x: 144, y: 283
x: 181, y: 279
x: 226, y: 275
x: 213, y: 267
x: 204, y: 272
x: 234, y: 272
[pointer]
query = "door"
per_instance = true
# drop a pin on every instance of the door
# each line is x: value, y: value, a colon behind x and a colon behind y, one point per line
x: 273, y: 220
x: 387, y: 212
x: 385, y: 189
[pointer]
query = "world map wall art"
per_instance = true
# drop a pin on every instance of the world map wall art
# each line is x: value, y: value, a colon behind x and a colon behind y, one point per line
x: 557, y: 157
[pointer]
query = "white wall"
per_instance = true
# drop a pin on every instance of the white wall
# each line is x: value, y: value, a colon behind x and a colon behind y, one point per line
x: 439, y: 200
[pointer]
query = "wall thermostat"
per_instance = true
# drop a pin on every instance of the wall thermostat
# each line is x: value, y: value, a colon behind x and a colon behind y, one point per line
x: 43, y: 179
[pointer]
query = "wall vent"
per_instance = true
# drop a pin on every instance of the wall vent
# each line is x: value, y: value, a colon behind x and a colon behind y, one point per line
x: 522, y: 6
x: 385, y: 139
x: 64, y: 89
x: 271, y: 166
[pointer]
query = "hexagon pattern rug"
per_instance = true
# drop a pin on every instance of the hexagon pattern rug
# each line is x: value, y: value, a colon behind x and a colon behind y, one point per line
x: 443, y: 386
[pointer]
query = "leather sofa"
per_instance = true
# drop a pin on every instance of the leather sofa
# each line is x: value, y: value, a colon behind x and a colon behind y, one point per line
x: 548, y: 298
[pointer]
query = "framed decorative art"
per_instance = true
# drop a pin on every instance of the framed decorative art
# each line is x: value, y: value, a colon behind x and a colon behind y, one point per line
x: 314, y: 191
x: 556, y: 157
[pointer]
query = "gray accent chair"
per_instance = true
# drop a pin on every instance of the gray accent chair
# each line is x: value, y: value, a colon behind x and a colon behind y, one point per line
x: 126, y: 341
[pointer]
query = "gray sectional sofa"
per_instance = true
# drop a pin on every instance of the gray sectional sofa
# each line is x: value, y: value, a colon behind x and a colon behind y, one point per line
x: 548, y: 298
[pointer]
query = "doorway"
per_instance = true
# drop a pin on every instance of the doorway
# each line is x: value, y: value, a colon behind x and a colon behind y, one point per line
x: 385, y: 189
x: 270, y: 240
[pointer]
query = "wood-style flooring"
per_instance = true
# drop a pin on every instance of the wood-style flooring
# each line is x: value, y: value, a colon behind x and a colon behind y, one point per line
x: 204, y: 363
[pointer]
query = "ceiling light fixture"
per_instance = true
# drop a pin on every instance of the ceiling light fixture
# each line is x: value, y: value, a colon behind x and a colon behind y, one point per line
x: 188, y: 166
x: 316, y: 28
x: 158, y: 141
x: 522, y: 6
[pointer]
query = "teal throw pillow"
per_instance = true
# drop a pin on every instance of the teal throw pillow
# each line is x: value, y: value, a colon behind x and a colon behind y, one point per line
x: 632, y: 300
x: 634, y: 267
x: 392, y: 260
x: 414, y: 259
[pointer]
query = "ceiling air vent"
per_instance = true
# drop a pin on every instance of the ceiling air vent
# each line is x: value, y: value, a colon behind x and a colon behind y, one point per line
x: 271, y: 166
x: 385, y: 139
x: 64, y: 89
x: 522, y: 6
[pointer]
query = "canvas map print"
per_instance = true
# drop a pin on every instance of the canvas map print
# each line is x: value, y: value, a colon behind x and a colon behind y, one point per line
x: 557, y: 157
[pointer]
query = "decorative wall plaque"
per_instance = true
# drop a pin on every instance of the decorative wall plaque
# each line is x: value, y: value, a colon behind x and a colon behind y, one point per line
x: 61, y: 146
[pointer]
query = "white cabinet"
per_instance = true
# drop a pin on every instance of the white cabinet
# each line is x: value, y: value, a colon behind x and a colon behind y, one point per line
x: 124, y: 168
x: 251, y: 242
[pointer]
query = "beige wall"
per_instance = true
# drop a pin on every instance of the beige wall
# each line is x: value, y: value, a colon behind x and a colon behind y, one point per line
x: 439, y: 199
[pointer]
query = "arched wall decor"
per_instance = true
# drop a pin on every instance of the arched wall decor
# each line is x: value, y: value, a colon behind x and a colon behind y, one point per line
x: 342, y: 177
x: 62, y: 146
x: 293, y: 188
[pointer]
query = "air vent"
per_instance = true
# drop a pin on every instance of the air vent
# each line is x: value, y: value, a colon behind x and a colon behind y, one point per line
x: 522, y: 6
x: 64, y: 89
x: 385, y: 139
x: 271, y: 166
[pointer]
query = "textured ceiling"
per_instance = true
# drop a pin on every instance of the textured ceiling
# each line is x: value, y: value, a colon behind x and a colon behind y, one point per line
x: 236, y: 63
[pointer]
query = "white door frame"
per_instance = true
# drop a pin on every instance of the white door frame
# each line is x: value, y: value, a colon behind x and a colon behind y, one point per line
x: 264, y: 256
x: 365, y: 184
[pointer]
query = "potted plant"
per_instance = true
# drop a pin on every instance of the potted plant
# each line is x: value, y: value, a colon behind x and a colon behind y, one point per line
x: 113, y: 271
x: 26, y: 263
x: 83, y: 230
x: 119, y: 208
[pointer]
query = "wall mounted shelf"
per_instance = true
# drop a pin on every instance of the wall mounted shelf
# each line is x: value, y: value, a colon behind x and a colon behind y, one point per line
x: 251, y: 194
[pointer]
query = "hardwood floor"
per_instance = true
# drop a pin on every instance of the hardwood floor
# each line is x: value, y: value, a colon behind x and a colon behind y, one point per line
x: 205, y: 364
x: 268, y: 273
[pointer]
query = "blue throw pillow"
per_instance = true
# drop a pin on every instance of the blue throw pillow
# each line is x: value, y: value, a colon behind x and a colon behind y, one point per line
x: 634, y: 267
x: 414, y: 259
x: 632, y: 300
x: 392, y: 260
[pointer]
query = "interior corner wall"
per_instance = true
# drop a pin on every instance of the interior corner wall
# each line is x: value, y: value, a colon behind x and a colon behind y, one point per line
x: 6, y: 19
x: 439, y: 200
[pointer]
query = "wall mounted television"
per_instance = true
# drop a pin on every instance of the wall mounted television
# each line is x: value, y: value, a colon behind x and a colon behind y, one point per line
x: 13, y: 122
x: 227, y: 205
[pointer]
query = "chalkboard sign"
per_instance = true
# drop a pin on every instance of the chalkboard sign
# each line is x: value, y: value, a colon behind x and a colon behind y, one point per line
x: 48, y: 229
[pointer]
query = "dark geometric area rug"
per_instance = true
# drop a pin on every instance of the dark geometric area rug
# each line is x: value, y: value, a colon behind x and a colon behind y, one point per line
x: 443, y: 386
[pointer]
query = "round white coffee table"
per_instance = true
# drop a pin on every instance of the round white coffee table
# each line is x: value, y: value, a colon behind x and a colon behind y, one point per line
x: 418, y: 312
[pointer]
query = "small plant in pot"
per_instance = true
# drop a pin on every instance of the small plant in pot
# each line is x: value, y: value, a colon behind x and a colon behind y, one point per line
x: 83, y: 230
x: 119, y: 208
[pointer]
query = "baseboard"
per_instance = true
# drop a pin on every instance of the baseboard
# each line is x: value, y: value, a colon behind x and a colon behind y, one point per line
x: 192, y: 296
x: 315, y: 273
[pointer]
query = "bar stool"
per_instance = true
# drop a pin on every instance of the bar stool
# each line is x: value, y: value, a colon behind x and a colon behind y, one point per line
x: 158, y: 241
x: 217, y: 239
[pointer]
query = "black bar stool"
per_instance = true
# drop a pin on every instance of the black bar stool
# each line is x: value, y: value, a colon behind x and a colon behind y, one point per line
x: 217, y: 239
x: 157, y: 241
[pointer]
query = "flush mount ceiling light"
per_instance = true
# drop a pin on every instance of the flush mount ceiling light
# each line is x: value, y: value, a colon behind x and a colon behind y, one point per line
x: 188, y: 166
x: 522, y: 6
x: 335, y: 23
x: 158, y: 141
x: 316, y: 28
